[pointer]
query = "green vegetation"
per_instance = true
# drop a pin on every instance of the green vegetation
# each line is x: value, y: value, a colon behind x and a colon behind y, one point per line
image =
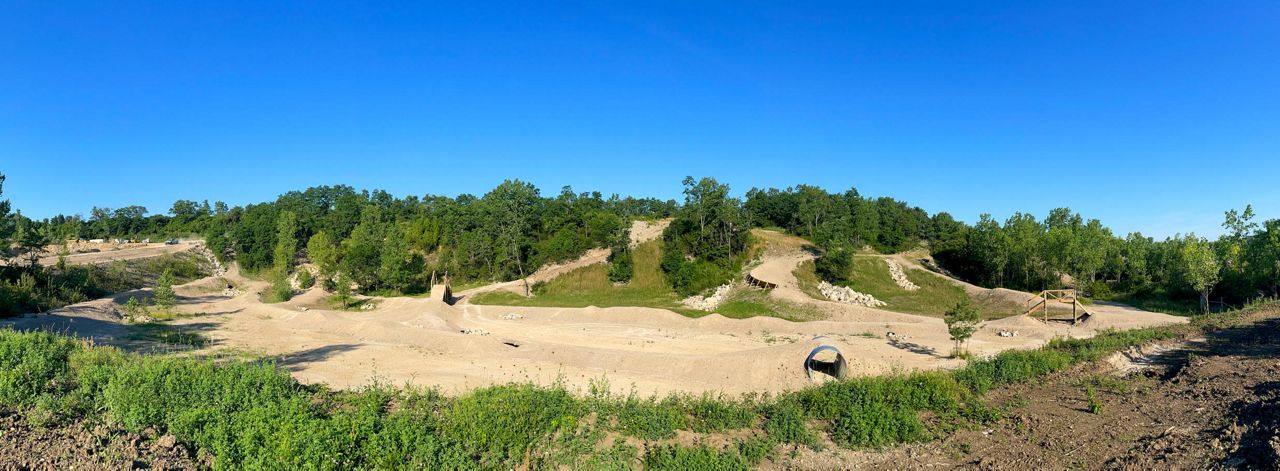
x: 1030, y: 255
x: 834, y: 266
x: 250, y: 414
x: 870, y: 275
x: 590, y: 286
x: 962, y: 321
x: 383, y: 243
x: 163, y: 294
x: 706, y: 244
x: 753, y: 302
x: 39, y: 289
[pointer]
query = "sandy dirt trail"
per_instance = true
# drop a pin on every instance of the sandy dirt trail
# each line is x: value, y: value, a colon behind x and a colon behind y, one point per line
x: 460, y: 347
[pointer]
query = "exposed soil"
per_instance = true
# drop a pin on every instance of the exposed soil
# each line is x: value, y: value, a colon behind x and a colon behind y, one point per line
x: 1207, y: 403
x: 83, y: 445
x: 463, y: 346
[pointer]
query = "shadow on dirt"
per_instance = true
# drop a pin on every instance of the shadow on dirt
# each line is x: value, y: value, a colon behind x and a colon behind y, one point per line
x: 313, y: 355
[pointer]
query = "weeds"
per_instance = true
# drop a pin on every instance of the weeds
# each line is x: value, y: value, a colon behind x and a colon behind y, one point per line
x: 1091, y: 396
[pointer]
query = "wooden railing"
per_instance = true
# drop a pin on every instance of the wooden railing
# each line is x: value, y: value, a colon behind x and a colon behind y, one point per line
x: 1058, y: 296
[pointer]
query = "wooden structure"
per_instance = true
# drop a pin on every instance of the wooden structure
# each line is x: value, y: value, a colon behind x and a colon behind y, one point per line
x: 1057, y: 296
x: 758, y: 283
x: 442, y: 291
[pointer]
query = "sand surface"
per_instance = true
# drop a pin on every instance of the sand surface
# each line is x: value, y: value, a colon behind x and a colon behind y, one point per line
x: 463, y: 346
x: 109, y: 253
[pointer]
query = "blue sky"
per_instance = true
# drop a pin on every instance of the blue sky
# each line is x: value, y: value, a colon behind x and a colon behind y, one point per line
x: 1153, y: 116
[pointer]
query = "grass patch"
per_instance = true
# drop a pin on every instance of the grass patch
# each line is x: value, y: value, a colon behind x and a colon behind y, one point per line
x: 167, y: 335
x: 753, y: 302
x: 870, y: 275
x: 590, y: 286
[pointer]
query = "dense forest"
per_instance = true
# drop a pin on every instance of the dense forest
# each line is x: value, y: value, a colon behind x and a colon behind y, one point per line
x: 383, y: 243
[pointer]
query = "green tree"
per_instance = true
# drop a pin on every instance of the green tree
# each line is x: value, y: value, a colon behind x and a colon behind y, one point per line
x: 834, y: 265
x: 362, y: 251
x: 342, y: 290
x: 6, y: 224
x: 962, y: 320
x: 396, y: 269
x: 165, y: 298
x: 286, y: 241
x: 513, y: 207
x: 31, y: 240
x: 322, y: 250
x: 1200, y: 267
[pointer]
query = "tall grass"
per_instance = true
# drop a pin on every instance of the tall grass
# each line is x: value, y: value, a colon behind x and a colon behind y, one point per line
x: 590, y: 286
x: 870, y: 275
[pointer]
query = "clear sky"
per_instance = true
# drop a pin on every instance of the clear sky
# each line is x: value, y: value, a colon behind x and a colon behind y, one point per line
x: 1153, y: 116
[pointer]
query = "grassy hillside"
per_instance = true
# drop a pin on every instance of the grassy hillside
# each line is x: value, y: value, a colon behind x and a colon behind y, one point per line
x: 590, y: 286
x: 870, y: 275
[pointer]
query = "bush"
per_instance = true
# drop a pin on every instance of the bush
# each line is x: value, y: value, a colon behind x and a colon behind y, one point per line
x: 785, y: 423
x: 501, y: 423
x: 281, y: 290
x: 32, y: 365
x: 620, y: 266
x: 305, y: 279
x: 699, y: 458
x: 693, y: 277
x: 834, y: 265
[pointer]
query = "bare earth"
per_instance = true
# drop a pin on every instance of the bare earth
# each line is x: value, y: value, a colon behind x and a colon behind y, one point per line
x: 108, y: 253
x: 463, y: 346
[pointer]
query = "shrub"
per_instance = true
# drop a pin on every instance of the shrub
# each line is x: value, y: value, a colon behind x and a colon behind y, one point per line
x: 650, y: 419
x: 785, y: 423
x: 165, y: 298
x: 962, y: 321
x: 834, y: 265
x: 499, y: 424
x: 32, y: 365
x: 305, y: 279
x: 281, y: 290
x: 620, y: 266
x: 699, y: 458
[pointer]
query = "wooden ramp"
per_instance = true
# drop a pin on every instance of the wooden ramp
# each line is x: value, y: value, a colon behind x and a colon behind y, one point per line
x: 441, y: 291
x: 1058, y: 296
x: 758, y: 283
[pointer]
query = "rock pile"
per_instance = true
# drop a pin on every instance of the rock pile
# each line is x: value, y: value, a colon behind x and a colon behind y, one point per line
x: 899, y: 277
x: 216, y: 266
x: 844, y: 294
x: 711, y: 302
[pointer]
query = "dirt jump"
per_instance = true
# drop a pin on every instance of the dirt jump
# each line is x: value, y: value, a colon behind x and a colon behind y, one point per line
x: 461, y: 346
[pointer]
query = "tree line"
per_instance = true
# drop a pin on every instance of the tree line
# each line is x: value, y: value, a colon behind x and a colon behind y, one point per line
x: 1063, y: 249
x: 381, y: 242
